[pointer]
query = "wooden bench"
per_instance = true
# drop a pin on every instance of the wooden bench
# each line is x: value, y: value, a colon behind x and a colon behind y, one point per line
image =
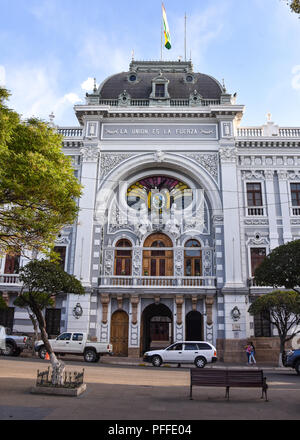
x: 215, y: 377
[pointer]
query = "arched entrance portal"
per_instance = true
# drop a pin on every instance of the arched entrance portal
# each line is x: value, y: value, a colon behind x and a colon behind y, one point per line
x: 119, y: 333
x: 156, y: 329
x: 194, y: 326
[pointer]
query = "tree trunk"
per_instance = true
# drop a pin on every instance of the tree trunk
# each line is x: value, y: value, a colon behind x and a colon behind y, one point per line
x: 58, y: 367
x: 282, y: 344
x: 35, y: 330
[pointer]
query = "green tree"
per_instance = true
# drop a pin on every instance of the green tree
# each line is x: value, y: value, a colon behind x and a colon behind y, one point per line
x: 294, y: 5
x: 38, y: 189
x: 2, y: 303
x: 282, y: 309
x: 281, y: 267
x: 42, y: 282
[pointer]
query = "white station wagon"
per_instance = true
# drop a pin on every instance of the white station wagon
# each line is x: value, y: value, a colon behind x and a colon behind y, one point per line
x: 187, y: 352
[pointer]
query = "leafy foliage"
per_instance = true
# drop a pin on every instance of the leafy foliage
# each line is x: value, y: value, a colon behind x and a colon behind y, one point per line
x: 42, y: 280
x: 282, y: 308
x: 38, y: 189
x: 281, y: 267
x: 2, y: 303
x: 295, y: 6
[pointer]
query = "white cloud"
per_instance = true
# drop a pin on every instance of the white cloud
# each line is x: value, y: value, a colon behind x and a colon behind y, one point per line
x: 36, y: 92
x: 2, y: 76
x: 296, y: 77
x: 88, y: 84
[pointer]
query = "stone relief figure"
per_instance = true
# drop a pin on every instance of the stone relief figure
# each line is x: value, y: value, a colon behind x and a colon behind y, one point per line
x: 173, y: 225
x: 144, y: 224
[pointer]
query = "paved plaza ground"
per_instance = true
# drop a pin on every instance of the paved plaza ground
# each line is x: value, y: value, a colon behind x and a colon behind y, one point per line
x: 134, y: 392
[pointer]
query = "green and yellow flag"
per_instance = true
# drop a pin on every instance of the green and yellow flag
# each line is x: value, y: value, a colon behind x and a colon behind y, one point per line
x: 166, y: 28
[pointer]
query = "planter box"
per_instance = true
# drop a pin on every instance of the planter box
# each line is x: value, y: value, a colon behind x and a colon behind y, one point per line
x: 59, y: 391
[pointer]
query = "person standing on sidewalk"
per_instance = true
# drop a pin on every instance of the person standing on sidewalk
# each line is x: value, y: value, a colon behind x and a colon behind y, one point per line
x: 252, y: 353
x: 248, y: 352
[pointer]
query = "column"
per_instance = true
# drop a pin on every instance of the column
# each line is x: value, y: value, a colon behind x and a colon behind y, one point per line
x: 104, y: 325
x: 284, y: 191
x: 134, y: 327
x: 179, y: 318
x: 232, y: 248
x: 270, y: 197
x: 84, y: 237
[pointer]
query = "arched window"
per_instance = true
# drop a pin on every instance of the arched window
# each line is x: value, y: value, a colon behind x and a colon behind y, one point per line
x: 158, y: 260
x: 123, y: 257
x: 193, y: 259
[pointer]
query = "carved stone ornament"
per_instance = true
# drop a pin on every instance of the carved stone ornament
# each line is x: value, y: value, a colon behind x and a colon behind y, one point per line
x: 179, y: 303
x: 159, y: 156
x: 105, y: 302
x: 209, y: 161
x: 90, y: 153
x: 253, y: 175
x: 109, y: 161
x: 134, y: 299
x: 235, y: 313
x: 77, y: 311
x: 209, y: 303
x: 228, y: 154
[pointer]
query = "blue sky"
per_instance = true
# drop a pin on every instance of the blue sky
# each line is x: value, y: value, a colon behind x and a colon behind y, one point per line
x: 50, y: 48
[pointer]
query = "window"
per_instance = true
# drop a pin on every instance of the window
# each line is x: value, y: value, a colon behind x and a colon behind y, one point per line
x: 61, y: 251
x: 77, y: 337
x: 12, y: 264
x: 7, y: 317
x: 64, y: 337
x: 203, y: 346
x: 52, y: 318
x: 159, y: 90
x: 193, y: 259
x: 295, y: 193
x: 257, y: 257
x: 254, y: 195
x: 190, y: 346
x: 123, y: 258
x: 262, y: 326
x: 175, y: 347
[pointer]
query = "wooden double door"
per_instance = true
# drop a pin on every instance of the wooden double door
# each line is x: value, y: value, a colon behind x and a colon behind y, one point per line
x: 119, y: 333
x: 158, y: 261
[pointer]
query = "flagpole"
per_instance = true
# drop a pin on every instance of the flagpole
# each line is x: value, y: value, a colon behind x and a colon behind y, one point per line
x: 161, y: 35
x: 185, y: 36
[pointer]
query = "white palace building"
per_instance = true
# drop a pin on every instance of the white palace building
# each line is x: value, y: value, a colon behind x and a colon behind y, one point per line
x: 180, y: 204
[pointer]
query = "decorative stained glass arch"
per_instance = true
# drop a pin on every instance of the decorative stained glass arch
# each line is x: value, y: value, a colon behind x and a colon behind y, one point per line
x: 159, y: 192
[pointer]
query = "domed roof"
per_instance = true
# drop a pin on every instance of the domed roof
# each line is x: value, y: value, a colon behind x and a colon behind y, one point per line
x: 182, y: 81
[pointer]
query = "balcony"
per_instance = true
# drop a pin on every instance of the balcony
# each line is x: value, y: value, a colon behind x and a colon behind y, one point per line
x: 255, y: 211
x: 161, y: 282
x: 10, y: 279
x: 295, y: 211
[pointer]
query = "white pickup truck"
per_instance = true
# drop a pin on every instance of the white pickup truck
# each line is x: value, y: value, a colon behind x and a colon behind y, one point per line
x: 75, y: 343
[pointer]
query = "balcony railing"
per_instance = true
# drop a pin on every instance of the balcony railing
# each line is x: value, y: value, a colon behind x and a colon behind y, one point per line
x: 255, y: 211
x: 295, y: 211
x: 70, y: 131
x: 161, y: 282
x: 11, y: 279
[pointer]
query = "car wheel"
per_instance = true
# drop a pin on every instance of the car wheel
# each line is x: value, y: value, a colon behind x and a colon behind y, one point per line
x: 9, y: 349
x: 200, y: 362
x: 297, y: 367
x: 17, y: 352
x: 90, y: 356
x: 156, y: 361
x: 42, y: 352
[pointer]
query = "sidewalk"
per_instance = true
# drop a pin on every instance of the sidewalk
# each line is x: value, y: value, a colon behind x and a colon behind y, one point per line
x: 114, y: 360
x: 119, y: 360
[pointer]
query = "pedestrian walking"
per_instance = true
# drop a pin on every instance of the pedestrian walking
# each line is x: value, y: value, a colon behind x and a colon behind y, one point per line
x: 248, y: 352
x: 252, y: 353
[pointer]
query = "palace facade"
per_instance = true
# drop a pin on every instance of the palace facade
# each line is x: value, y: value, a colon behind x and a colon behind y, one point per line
x: 180, y: 204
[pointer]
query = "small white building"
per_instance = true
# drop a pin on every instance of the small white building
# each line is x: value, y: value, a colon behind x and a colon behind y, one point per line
x: 180, y: 204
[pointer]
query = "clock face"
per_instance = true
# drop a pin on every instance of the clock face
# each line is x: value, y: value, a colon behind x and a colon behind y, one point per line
x: 159, y: 193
